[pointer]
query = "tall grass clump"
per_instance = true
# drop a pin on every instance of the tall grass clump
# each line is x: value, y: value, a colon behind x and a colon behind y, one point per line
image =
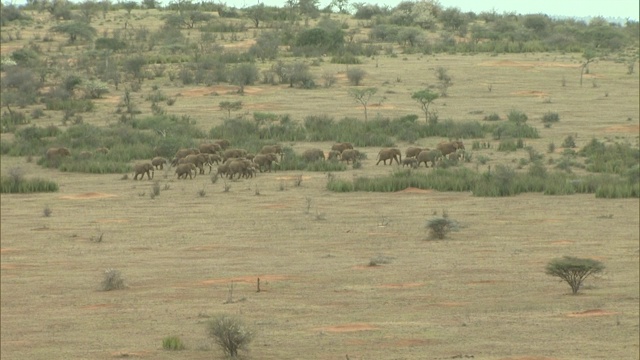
x: 15, y: 182
x: 172, y: 343
x: 440, y: 227
x: 615, y: 159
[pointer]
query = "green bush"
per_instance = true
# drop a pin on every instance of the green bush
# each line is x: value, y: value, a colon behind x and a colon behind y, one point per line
x: 550, y: 117
x: 492, y: 117
x: 230, y: 333
x: 172, y: 343
x: 507, y: 145
x: 514, y: 130
x: 440, y: 227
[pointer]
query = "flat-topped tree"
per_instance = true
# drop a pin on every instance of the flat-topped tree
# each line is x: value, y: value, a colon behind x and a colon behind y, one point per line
x: 425, y: 98
x: 573, y: 270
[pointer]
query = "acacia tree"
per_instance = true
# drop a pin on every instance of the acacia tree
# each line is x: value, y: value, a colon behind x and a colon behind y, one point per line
x: 590, y: 56
x: 75, y: 30
x: 425, y: 98
x: 363, y: 96
x: 230, y: 106
x: 573, y: 270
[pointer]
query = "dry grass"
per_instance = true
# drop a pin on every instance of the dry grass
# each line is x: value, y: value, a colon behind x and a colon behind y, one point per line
x: 482, y: 292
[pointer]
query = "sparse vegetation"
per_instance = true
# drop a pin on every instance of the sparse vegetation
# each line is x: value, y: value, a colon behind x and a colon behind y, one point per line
x: 112, y: 280
x: 440, y: 227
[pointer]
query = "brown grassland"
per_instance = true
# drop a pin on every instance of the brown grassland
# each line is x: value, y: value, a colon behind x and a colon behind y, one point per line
x: 481, y: 292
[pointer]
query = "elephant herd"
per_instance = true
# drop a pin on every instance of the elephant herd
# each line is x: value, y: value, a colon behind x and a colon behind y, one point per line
x: 414, y: 156
x: 233, y: 162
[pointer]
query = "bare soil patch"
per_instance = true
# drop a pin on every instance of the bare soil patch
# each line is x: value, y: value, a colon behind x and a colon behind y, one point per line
x: 592, y: 312
x: 529, y: 358
x: 97, y: 306
x: 401, y: 286
x: 244, y: 44
x: 523, y: 64
x: 7, y: 250
x: 531, y: 93
x: 634, y: 129
x: 562, y: 242
x: 89, y: 195
x: 131, y: 354
x: 348, y: 328
x: 249, y: 279
x: 408, y: 343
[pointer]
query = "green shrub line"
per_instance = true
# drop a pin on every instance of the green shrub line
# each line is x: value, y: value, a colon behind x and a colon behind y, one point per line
x: 10, y: 185
x: 503, y: 181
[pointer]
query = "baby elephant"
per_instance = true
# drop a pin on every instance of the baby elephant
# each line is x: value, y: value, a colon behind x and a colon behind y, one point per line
x: 141, y: 169
x: 413, y: 162
x: 185, y: 169
x: 158, y: 162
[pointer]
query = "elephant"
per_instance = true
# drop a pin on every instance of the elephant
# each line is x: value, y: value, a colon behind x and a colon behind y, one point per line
x: 183, y: 153
x: 311, y: 155
x: 158, y: 162
x: 333, y: 155
x: 223, y: 143
x: 141, y: 169
x: 182, y: 170
x: 429, y: 156
x: 223, y: 169
x: 342, y: 146
x: 214, y: 159
x: 389, y: 154
x: 102, y: 150
x: 240, y: 167
x: 412, y: 161
x: 53, y: 153
x: 265, y: 160
x: 272, y: 149
x: 350, y: 155
x: 199, y: 160
x: 209, y: 148
x: 413, y: 151
x: 448, y: 147
x: 233, y: 153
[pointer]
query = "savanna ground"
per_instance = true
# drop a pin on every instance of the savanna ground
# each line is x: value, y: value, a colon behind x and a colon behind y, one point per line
x: 482, y: 292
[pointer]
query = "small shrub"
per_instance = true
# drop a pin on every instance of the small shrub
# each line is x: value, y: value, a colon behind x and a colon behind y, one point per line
x: 172, y: 343
x: 112, y: 280
x: 379, y: 260
x: 517, y: 117
x: 440, y: 227
x: 551, y: 148
x: 230, y: 333
x: 573, y: 270
x: 550, y: 117
x: 508, y: 145
x: 47, y: 211
x: 355, y: 75
x: 156, y: 188
x: 202, y: 192
x: 569, y: 142
x: 492, y: 117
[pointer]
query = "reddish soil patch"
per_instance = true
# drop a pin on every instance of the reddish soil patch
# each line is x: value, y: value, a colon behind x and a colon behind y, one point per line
x: 562, y: 242
x: 104, y: 221
x: 108, y: 100
x: 592, y: 312
x: 206, y: 91
x: 412, y: 190
x: 409, y: 342
x: 401, y: 286
x: 97, y: 306
x: 7, y: 250
x: 623, y: 129
x: 89, y: 195
x: 481, y: 282
x: 529, y: 358
x: 530, y: 93
x: 247, y: 279
x: 348, y: 328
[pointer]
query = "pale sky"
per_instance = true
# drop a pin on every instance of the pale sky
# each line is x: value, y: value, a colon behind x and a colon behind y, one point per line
x: 574, y: 8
